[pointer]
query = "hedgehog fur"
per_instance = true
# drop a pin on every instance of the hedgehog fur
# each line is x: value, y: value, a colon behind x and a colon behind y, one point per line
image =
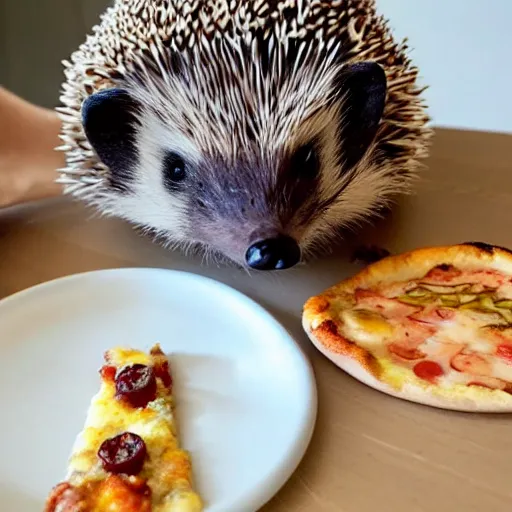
x: 225, y: 123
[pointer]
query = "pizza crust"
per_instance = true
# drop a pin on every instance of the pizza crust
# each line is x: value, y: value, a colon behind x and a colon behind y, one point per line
x: 319, y: 323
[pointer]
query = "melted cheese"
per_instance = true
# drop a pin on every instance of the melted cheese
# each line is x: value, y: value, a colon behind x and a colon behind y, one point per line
x: 121, y: 356
x: 502, y: 369
x: 466, y: 329
x: 167, y: 469
x: 368, y: 328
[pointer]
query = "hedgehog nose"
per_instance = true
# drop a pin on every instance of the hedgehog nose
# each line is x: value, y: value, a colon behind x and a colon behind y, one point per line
x: 273, y: 254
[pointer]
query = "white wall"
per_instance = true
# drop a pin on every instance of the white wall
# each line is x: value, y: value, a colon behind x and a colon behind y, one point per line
x: 463, y: 49
x: 461, y: 46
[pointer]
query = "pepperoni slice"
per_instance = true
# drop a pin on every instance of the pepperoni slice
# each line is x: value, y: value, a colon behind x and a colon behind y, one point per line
x: 487, y: 278
x: 428, y: 370
x: 136, y: 384
x: 479, y: 385
x: 505, y: 352
x: 415, y: 333
x: 124, y: 453
x: 409, y: 353
x: 445, y: 313
x: 108, y: 373
x: 471, y: 363
x: 488, y: 382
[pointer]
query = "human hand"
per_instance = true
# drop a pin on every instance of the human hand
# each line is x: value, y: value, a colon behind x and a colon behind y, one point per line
x: 28, y: 160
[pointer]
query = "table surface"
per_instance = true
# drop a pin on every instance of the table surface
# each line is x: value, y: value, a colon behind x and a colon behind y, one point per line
x: 369, y: 452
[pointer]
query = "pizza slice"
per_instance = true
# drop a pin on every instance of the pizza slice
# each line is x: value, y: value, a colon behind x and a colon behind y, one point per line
x: 127, y: 458
x: 432, y: 326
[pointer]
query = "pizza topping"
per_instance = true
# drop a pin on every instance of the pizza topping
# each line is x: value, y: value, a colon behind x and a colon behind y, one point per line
x: 445, y: 289
x: 428, y: 370
x: 484, y: 301
x: 449, y: 275
x: 394, y: 289
x: 487, y: 278
x: 368, y: 326
x: 445, y: 313
x: 465, y: 298
x: 414, y: 298
x: 505, y: 352
x: 488, y: 382
x: 124, y: 453
x: 505, y: 290
x: 409, y: 336
x: 472, y: 363
x: 485, y: 317
x: 136, y: 384
x: 420, y: 296
x: 416, y: 332
x: 449, y: 300
x: 415, y: 295
x: 424, y: 295
x: 116, y: 493
x: 108, y: 373
x: 65, y: 498
x: 486, y: 304
x: 442, y: 274
x: 499, y: 334
x: 123, y: 494
x: 433, y: 315
x: 390, y: 308
x: 405, y: 352
x: 504, y: 303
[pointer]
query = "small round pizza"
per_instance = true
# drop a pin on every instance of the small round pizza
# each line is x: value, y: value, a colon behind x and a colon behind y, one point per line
x: 432, y: 326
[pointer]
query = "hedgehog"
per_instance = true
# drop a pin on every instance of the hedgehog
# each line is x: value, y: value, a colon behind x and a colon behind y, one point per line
x: 255, y: 130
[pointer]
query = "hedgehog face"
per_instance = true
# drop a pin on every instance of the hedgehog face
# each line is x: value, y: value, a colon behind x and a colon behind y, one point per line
x: 258, y: 174
x: 255, y: 129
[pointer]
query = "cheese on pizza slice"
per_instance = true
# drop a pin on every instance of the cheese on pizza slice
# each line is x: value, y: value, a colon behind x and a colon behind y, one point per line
x: 128, y: 458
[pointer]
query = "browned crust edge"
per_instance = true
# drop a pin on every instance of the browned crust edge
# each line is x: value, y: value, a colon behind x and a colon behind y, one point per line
x: 417, y: 262
x: 327, y: 333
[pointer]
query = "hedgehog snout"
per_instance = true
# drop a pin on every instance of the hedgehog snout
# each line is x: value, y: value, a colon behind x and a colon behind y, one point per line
x: 278, y: 253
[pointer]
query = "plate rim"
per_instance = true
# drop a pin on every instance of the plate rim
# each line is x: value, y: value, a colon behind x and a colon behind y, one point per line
x: 289, y: 465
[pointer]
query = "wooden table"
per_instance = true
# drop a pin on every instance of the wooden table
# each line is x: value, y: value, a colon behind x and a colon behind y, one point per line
x: 370, y: 452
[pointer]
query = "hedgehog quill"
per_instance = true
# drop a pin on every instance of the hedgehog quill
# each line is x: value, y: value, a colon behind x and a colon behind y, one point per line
x: 254, y: 129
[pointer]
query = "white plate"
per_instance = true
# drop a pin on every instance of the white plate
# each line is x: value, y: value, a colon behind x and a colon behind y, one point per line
x: 246, y: 393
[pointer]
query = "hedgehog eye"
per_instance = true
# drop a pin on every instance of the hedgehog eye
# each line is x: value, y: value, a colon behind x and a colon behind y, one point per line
x: 305, y: 162
x: 175, y: 169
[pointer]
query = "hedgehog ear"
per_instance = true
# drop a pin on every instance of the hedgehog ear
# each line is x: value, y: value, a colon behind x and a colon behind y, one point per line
x: 110, y: 124
x: 362, y: 87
